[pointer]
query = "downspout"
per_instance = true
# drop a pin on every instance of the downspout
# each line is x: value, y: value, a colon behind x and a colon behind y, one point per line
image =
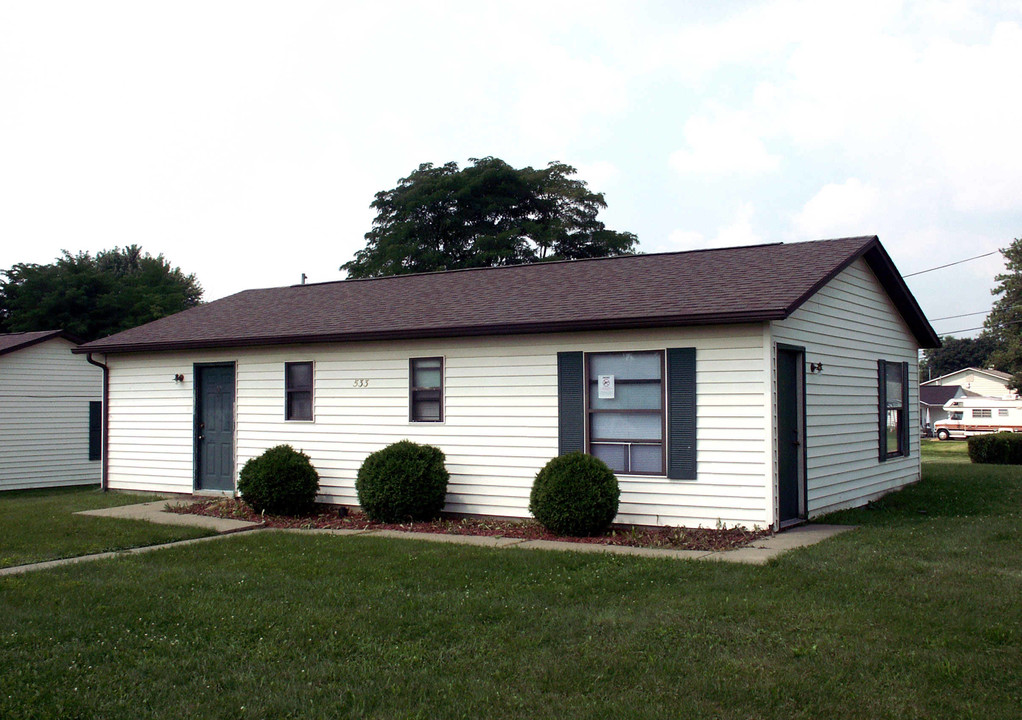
x: 106, y: 421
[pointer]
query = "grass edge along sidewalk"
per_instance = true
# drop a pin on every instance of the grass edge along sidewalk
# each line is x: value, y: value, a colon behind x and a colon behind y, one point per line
x: 42, y: 525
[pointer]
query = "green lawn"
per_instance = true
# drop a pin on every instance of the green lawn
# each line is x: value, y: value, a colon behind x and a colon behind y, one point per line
x: 37, y: 525
x: 916, y: 614
x: 945, y: 451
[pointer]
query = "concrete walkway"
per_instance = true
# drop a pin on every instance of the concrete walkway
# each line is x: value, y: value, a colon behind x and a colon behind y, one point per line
x: 157, y: 512
x: 757, y: 553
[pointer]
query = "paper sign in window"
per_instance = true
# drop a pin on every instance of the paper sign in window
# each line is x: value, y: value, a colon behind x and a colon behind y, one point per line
x: 606, y: 385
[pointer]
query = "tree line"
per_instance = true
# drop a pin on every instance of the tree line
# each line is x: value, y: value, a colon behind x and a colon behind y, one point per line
x: 92, y: 296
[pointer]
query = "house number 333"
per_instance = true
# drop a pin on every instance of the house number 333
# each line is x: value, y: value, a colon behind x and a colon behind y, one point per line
x: 361, y: 382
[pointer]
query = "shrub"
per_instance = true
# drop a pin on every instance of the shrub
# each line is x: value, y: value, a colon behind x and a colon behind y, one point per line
x: 1003, y: 448
x: 403, y: 482
x: 575, y: 494
x: 280, y: 481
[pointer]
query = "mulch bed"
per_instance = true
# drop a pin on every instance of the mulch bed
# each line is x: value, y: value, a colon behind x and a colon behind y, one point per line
x: 328, y: 517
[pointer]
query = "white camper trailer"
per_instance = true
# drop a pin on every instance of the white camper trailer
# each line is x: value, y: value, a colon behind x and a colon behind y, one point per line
x: 970, y: 416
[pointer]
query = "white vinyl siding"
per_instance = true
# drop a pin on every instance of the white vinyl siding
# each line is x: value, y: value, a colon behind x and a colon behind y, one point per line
x: 44, y: 417
x: 848, y: 326
x: 500, y: 418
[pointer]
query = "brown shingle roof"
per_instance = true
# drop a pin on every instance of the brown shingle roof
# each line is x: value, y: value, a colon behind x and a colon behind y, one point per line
x: 728, y: 285
x: 9, y: 342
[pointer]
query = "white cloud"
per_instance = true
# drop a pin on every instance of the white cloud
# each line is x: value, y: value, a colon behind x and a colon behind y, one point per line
x: 261, y: 127
x: 726, y: 144
x: 761, y: 35
x: 843, y: 210
x: 599, y: 175
x: 739, y: 231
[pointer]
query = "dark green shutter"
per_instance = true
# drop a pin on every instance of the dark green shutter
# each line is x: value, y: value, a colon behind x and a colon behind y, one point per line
x: 95, y: 430
x: 681, y: 413
x: 906, y: 415
x: 882, y: 406
x: 571, y: 432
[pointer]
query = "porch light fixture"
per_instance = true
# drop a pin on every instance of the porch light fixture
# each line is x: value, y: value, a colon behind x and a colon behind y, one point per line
x: 179, y: 378
x: 816, y: 367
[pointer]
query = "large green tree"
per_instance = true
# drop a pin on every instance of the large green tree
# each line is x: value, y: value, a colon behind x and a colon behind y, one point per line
x: 955, y: 354
x: 487, y: 214
x: 94, y: 296
x: 1004, y: 323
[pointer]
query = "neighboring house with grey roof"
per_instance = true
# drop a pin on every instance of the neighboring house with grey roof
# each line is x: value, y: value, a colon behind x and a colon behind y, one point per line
x: 979, y: 381
x: 932, y: 399
x: 746, y: 386
x: 50, y: 412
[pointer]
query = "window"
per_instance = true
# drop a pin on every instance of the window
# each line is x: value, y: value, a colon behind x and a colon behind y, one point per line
x: 625, y: 409
x: 426, y: 389
x: 957, y: 415
x: 95, y: 430
x: 298, y: 391
x: 894, y: 408
x: 981, y: 413
x: 1002, y: 412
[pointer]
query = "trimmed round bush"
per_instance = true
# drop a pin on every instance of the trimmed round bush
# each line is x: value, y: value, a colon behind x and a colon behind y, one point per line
x: 403, y: 482
x: 281, y: 481
x: 575, y: 494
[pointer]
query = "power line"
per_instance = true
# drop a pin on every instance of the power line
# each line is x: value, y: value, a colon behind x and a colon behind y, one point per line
x: 952, y: 317
x: 957, y: 262
x: 982, y: 327
x: 981, y: 312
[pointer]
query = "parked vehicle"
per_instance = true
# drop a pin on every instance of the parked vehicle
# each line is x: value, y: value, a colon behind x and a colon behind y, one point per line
x: 977, y: 416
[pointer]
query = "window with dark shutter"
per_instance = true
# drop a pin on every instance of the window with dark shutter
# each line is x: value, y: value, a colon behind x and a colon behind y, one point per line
x: 635, y: 410
x: 893, y: 407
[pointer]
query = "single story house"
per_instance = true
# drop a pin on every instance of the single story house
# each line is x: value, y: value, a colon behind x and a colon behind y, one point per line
x: 50, y: 411
x: 750, y: 386
x: 978, y: 381
x: 932, y: 399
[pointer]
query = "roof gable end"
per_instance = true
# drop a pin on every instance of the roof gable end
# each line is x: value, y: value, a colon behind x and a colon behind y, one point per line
x: 12, y: 342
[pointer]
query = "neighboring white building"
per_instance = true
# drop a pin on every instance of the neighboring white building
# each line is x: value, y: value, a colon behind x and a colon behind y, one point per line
x: 743, y: 386
x: 932, y: 399
x: 49, y: 412
x: 989, y: 383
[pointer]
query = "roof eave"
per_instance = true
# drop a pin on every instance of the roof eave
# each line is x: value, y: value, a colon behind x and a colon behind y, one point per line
x: 730, y: 318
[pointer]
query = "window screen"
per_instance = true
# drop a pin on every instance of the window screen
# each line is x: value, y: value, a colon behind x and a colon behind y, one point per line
x: 426, y: 389
x: 625, y: 407
x: 298, y: 391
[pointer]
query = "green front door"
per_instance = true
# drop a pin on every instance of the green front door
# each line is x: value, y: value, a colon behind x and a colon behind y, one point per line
x: 790, y: 440
x: 214, y: 427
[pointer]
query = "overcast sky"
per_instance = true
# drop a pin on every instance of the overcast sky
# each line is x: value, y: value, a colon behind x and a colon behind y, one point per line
x: 246, y: 140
